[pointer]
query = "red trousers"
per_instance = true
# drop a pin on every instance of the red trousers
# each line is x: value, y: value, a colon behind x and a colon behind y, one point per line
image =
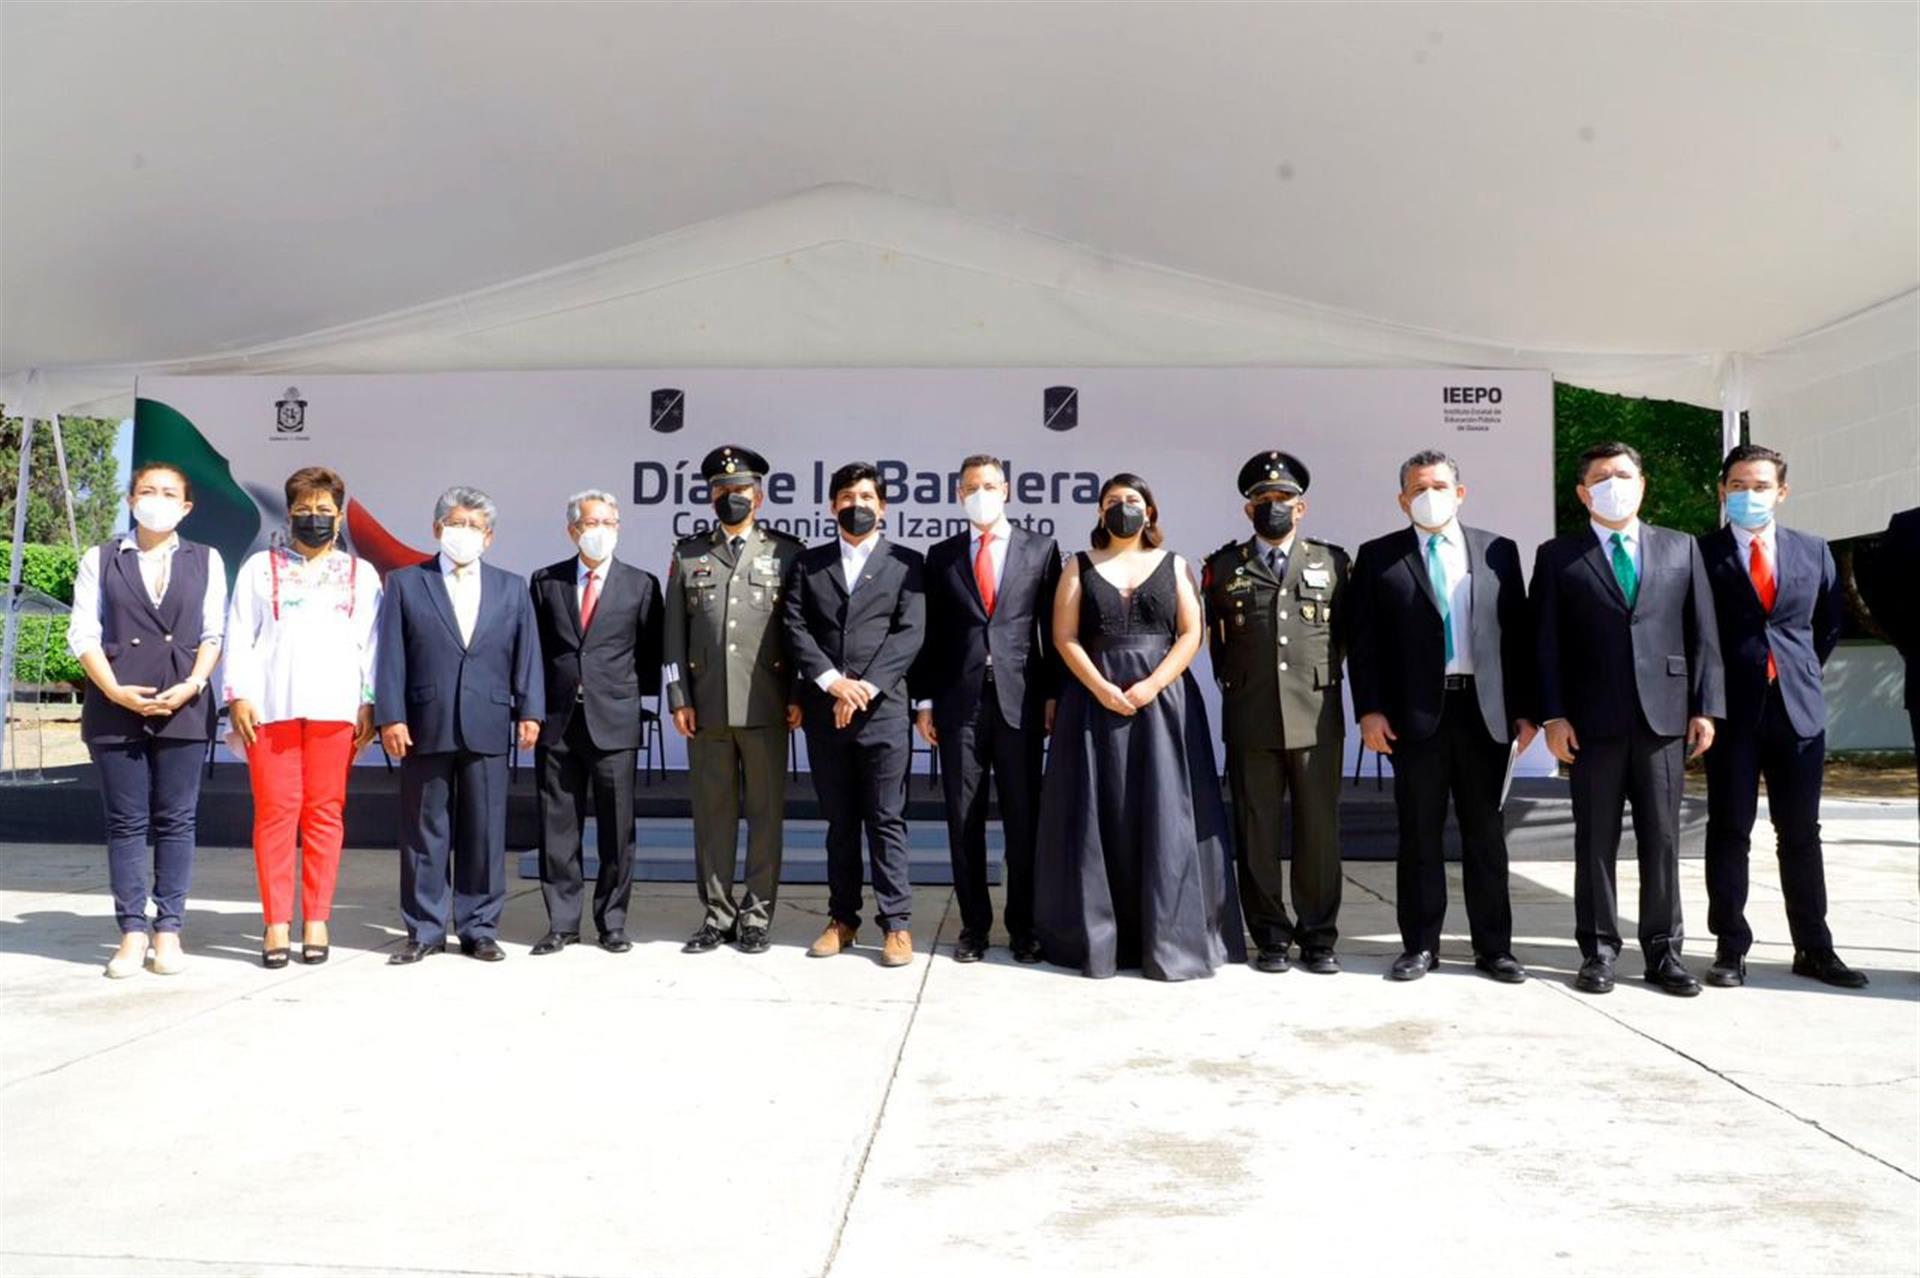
x: 299, y: 772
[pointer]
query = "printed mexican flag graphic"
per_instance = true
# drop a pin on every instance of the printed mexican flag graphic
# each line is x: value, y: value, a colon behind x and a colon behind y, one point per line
x: 225, y: 515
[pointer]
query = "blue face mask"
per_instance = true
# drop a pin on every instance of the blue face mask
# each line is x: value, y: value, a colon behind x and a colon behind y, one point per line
x: 1750, y: 510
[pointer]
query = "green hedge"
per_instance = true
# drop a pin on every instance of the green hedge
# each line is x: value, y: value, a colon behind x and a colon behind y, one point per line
x: 48, y: 568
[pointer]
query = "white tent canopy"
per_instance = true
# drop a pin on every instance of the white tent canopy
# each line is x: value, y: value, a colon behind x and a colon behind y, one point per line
x: 1713, y: 203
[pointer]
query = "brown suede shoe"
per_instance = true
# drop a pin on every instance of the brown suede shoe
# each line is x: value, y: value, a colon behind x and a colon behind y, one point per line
x: 835, y: 939
x: 898, y: 949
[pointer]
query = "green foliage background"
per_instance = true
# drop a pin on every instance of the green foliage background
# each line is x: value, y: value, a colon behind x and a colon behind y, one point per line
x: 1679, y: 443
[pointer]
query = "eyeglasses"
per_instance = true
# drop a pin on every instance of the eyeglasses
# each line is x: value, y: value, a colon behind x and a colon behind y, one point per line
x: 585, y: 524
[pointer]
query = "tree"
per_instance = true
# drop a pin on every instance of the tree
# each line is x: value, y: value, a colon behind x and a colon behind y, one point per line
x: 97, y: 497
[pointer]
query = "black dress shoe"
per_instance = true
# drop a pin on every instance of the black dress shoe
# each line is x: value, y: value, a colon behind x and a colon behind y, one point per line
x: 1671, y: 976
x: 1502, y: 967
x: 615, y: 941
x: 1596, y: 976
x: 969, y: 948
x: 486, y: 949
x: 707, y: 938
x: 1827, y: 968
x: 1412, y: 965
x: 753, y: 940
x: 554, y: 942
x: 1272, y: 958
x: 1728, y: 971
x: 414, y: 951
x: 1026, y: 949
x: 1320, y: 960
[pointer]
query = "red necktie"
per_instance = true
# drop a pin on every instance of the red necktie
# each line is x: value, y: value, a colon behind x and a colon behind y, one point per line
x: 1763, y: 585
x: 589, y: 600
x: 983, y: 572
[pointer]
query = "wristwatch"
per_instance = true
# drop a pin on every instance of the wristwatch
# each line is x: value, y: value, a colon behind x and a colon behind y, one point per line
x: 198, y: 684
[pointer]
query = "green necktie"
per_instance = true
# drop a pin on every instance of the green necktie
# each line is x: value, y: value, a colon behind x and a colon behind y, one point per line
x: 1623, y: 571
x: 1437, y: 574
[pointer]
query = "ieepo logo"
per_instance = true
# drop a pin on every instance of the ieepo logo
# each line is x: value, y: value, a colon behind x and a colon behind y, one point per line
x: 1470, y: 394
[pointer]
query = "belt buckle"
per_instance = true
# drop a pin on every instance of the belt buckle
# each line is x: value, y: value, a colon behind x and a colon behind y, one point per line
x: 1456, y: 683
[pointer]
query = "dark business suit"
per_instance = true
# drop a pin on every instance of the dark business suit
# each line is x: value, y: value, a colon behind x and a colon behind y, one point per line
x: 594, y: 679
x: 1886, y: 580
x: 1449, y: 741
x: 859, y: 771
x: 1627, y: 678
x: 989, y: 678
x: 460, y: 702
x: 1776, y: 728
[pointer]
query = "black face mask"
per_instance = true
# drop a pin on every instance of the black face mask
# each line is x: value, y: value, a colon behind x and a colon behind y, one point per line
x: 313, y: 530
x: 1123, y: 520
x: 857, y: 521
x: 1273, y: 519
x: 733, y: 508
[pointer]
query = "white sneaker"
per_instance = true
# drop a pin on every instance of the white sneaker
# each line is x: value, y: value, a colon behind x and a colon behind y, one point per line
x: 121, y: 966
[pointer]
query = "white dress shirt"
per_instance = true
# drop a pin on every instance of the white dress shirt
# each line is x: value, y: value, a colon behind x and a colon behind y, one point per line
x: 1454, y: 566
x: 156, y: 569
x: 463, y: 587
x: 853, y: 563
x: 1743, y: 540
x: 1629, y: 537
x: 315, y: 659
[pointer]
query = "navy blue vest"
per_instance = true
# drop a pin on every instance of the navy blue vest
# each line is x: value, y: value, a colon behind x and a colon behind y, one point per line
x: 150, y: 646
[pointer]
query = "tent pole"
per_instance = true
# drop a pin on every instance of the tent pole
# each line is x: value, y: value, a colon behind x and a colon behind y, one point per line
x: 66, y: 485
x: 15, y: 563
x: 1734, y: 395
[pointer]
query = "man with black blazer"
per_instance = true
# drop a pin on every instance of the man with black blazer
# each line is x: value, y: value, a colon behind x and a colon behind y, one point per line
x: 1776, y: 596
x: 855, y: 616
x: 1887, y: 582
x: 1630, y: 680
x: 1441, y: 664
x: 456, y: 686
x: 600, y: 623
x: 985, y: 689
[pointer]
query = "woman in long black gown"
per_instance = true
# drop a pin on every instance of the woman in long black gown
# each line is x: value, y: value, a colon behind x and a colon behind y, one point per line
x: 1134, y: 863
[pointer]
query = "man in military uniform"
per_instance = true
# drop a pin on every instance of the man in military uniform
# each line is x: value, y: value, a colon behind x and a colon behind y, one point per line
x: 730, y: 688
x: 1276, y: 609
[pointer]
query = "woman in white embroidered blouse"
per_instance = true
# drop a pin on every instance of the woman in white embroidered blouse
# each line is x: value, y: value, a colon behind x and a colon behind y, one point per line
x: 298, y: 685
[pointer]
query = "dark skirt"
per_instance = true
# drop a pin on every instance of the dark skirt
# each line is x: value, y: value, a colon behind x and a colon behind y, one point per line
x: 1134, y: 862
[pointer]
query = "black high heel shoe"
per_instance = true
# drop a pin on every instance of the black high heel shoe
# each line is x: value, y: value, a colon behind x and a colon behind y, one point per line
x: 273, y: 960
x: 314, y: 953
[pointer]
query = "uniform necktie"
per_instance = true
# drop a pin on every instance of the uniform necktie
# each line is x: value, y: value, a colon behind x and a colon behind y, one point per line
x: 734, y: 544
x: 1763, y: 585
x: 590, y: 600
x: 983, y: 572
x: 1437, y: 574
x: 1623, y: 570
x: 1277, y: 563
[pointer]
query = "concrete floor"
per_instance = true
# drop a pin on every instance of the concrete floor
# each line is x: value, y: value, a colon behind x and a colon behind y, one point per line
x: 658, y: 1114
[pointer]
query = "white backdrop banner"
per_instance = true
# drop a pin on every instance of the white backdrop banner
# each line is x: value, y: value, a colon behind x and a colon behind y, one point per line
x: 533, y: 439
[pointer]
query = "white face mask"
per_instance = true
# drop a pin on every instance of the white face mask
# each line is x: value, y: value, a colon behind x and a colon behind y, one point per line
x: 1434, y: 507
x: 462, y: 545
x: 984, y: 506
x: 158, y: 514
x: 597, y: 543
x: 1617, y: 498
